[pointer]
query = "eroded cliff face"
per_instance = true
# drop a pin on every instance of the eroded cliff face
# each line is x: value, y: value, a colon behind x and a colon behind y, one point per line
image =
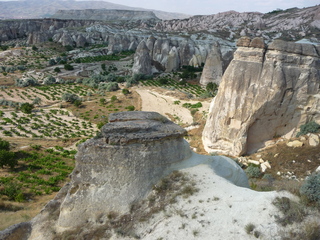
x: 266, y: 91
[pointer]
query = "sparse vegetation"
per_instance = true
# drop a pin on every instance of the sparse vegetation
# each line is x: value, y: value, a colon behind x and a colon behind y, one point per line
x: 310, y: 190
x: 310, y: 127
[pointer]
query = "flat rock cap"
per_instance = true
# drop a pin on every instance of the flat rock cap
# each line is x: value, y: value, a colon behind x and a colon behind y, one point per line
x: 139, y: 127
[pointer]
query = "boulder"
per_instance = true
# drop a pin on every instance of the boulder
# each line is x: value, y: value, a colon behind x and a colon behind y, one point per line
x: 313, y: 140
x: 213, y: 68
x: 265, y: 92
x: 295, y: 144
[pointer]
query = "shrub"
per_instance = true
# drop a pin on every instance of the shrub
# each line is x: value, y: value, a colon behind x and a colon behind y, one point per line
x: 49, y: 80
x: 311, y: 188
x: 57, y: 70
x: 114, y: 98
x: 108, y: 86
x: 291, y: 211
x: 249, y: 228
x: 26, y: 108
x: 26, y: 82
x: 7, y: 159
x: 212, y: 87
x: 37, y: 101
x: 253, y: 171
x: 77, y: 103
x: 310, y: 127
x: 52, y: 62
x: 125, y: 91
x: 130, y: 108
x: 163, y: 81
x: 68, y: 66
x: 4, y: 145
x: 69, y: 97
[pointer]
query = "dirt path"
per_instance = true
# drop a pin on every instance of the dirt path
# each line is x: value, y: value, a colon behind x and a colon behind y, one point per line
x: 167, y: 105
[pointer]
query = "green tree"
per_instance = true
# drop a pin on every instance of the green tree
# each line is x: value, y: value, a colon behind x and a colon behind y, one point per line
x: 57, y: 70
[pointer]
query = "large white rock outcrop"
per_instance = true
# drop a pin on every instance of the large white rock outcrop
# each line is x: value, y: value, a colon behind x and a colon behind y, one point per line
x: 265, y: 92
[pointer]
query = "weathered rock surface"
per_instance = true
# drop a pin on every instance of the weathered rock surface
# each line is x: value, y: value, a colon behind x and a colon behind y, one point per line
x: 213, y: 68
x: 265, y: 92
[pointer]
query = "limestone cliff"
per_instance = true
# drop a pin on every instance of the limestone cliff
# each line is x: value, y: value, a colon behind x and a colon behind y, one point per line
x: 266, y: 91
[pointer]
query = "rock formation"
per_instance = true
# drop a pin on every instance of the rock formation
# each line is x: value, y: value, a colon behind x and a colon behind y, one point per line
x: 142, y: 60
x: 292, y: 24
x: 265, y: 92
x: 213, y: 68
x: 115, y: 170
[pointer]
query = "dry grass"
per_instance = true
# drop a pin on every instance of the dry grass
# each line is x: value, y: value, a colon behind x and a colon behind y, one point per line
x: 21, y: 212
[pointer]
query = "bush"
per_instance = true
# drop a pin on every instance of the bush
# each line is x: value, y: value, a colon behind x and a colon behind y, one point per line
x: 125, y: 91
x: 77, y: 103
x: 70, y: 97
x: 68, y: 66
x: 253, y: 171
x: 52, y: 62
x: 57, y: 70
x: 7, y: 159
x: 310, y: 127
x: 163, y: 81
x: 26, y: 82
x: 26, y: 108
x: 311, y: 188
x: 291, y: 211
x: 108, y: 86
x: 49, y: 80
x: 130, y: 108
x: 4, y: 145
x: 114, y: 98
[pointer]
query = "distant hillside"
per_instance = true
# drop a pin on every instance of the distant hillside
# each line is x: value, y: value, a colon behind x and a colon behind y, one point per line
x: 46, y: 8
x: 105, y: 15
